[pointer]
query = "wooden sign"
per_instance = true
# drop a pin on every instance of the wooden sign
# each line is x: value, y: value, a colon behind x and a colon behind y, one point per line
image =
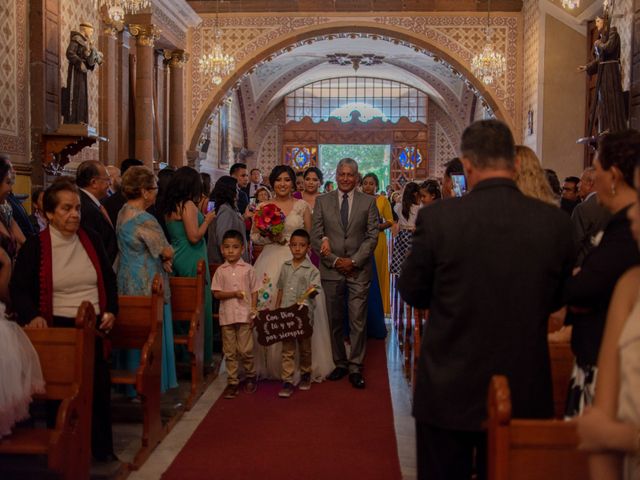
x: 274, y: 326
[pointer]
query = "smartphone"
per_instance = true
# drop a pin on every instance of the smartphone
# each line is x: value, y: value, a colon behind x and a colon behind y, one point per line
x: 459, y: 184
x: 211, y: 206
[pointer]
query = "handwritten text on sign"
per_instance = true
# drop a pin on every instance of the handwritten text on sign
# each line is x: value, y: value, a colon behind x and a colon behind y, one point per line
x: 274, y: 326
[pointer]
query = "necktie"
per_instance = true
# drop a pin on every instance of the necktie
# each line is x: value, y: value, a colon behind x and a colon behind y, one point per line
x: 344, y: 210
x: 104, y: 213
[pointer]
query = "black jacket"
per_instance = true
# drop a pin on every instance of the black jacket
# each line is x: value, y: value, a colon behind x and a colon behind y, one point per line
x: 490, y: 266
x: 92, y: 219
x: 113, y: 204
x: 589, y: 292
x: 25, y: 280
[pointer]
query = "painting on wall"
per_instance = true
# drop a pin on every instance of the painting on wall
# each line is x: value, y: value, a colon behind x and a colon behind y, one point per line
x: 223, y: 137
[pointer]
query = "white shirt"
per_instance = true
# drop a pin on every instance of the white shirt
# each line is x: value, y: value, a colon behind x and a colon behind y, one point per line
x: 74, y: 277
x: 252, y: 189
x: 350, y: 196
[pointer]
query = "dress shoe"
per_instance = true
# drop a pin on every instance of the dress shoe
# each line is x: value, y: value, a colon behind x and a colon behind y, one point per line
x: 357, y: 380
x: 338, y: 373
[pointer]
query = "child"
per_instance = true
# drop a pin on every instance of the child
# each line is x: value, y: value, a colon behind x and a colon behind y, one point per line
x: 234, y: 284
x: 296, y: 277
x: 429, y: 192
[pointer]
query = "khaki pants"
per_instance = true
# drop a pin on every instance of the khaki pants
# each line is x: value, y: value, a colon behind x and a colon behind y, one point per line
x: 237, y: 341
x: 289, y: 357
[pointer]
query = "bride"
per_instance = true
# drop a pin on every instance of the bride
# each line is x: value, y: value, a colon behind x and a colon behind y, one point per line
x: 275, y: 252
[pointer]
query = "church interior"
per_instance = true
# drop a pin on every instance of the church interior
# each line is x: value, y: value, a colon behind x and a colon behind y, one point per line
x: 211, y: 83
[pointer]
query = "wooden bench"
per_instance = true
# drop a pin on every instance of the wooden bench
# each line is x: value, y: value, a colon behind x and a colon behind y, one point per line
x: 139, y: 326
x: 67, y: 358
x: 187, y: 305
x: 562, y: 361
x: 529, y: 449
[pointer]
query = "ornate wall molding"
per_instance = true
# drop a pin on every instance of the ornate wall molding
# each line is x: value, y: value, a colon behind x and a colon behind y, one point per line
x: 454, y: 38
x: 146, y: 35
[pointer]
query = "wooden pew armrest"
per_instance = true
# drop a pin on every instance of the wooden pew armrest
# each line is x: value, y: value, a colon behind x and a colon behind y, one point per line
x: 150, y: 362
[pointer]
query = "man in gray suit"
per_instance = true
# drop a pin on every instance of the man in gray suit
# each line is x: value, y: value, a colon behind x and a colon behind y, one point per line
x: 345, y: 232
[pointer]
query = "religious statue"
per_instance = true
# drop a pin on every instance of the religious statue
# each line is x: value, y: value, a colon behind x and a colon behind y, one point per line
x: 83, y: 57
x: 609, y: 100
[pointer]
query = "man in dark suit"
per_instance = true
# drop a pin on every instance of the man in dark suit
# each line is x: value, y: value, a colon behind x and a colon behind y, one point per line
x: 589, y: 217
x: 569, y: 199
x: 114, y: 202
x: 239, y: 172
x: 94, y: 181
x: 255, y: 182
x: 490, y: 267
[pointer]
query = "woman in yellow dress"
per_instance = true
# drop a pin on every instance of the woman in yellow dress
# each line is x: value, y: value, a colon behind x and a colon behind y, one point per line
x: 371, y: 185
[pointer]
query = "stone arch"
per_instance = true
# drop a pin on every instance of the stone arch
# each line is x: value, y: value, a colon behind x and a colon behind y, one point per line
x: 308, y: 33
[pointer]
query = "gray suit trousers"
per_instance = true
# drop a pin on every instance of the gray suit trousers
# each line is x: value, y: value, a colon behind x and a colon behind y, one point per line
x: 336, y: 293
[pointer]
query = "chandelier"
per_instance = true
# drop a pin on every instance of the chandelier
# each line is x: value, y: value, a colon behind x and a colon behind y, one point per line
x: 489, y: 64
x: 570, y: 4
x: 117, y: 9
x: 216, y: 64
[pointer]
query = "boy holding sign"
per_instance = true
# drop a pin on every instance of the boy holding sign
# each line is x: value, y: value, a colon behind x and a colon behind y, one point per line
x: 299, y: 281
x: 235, y: 285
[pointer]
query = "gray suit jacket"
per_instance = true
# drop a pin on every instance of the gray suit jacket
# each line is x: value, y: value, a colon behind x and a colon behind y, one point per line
x: 358, y: 241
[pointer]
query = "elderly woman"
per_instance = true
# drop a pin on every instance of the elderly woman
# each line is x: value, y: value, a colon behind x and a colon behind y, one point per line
x: 227, y: 218
x: 145, y: 252
x: 589, y: 291
x: 54, y: 272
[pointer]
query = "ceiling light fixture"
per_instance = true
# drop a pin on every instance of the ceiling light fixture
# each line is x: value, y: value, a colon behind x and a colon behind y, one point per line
x: 489, y: 64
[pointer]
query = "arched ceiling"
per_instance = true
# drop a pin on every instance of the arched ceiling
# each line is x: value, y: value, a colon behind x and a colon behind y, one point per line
x: 267, y: 85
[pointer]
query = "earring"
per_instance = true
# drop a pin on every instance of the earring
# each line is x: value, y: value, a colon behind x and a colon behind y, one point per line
x: 613, y: 189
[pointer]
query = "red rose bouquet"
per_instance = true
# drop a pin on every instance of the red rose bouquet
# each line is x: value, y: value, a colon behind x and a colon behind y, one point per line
x: 269, y: 220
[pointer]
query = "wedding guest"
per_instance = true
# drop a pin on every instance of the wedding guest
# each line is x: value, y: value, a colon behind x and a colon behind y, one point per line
x: 116, y: 179
x: 299, y: 182
x: 482, y: 318
x: 452, y: 167
x: 145, y: 252
x: 93, y: 181
x: 312, y: 180
x: 407, y: 212
x: 115, y: 201
x: 236, y: 286
x: 37, y: 218
x: 19, y: 362
x: 263, y: 194
x: 187, y: 226
x: 429, y: 192
x: 328, y: 186
x: 239, y: 172
x: 370, y: 186
x: 297, y: 276
x: 54, y: 272
x: 255, y: 183
x: 589, y: 217
x: 530, y: 177
x: 11, y: 236
x: 164, y: 177
x: 611, y: 427
x: 203, y: 206
x: 589, y: 291
x: 227, y: 218
x: 570, y: 198
x: 554, y: 182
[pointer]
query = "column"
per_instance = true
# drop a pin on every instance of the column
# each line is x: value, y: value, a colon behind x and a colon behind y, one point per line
x: 177, y: 61
x: 108, y: 125
x: 145, y: 35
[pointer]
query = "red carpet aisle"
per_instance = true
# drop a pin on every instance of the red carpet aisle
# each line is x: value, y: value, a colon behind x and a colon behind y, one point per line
x: 331, y: 431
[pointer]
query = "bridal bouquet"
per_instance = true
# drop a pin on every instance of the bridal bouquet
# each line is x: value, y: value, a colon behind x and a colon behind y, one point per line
x: 269, y: 220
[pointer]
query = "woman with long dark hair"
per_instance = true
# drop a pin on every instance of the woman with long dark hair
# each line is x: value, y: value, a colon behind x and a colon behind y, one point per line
x: 187, y: 226
x: 407, y: 212
x: 227, y: 218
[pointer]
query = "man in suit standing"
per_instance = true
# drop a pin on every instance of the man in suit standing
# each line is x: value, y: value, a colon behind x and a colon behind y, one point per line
x: 345, y: 232
x: 490, y: 267
x: 94, y: 181
x: 255, y: 177
x: 114, y: 202
x: 589, y: 217
x: 239, y: 172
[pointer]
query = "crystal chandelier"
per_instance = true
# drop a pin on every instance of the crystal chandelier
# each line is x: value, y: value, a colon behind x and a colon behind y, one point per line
x: 216, y: 64
x: 489, y: 64
x: 117, y: 9
x: 570, y: 4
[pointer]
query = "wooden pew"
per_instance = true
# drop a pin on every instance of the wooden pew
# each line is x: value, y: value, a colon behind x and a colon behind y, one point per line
x: 187, y: 305
x: 562, y: 361
x: 139, y: 326
x: 529, y: 449
x: 67, y: 358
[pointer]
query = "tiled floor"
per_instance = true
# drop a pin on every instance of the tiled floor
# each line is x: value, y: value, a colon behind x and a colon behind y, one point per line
x: 400, y: 393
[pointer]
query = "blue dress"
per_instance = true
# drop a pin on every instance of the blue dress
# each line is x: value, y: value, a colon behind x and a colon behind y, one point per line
x: 141, y: 240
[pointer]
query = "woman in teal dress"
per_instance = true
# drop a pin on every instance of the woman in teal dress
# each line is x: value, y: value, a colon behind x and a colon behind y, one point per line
x: 145, y: 252
x: 186, y: 226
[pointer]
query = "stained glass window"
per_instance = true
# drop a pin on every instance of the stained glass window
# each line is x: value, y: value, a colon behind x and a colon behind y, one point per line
x: 410, y: 158
x: 301, y: 158
x: 372, y: 97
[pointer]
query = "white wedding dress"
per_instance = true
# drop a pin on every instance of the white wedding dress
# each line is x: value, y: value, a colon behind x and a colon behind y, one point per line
x: 268, y: 360
x: 20, y: 374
